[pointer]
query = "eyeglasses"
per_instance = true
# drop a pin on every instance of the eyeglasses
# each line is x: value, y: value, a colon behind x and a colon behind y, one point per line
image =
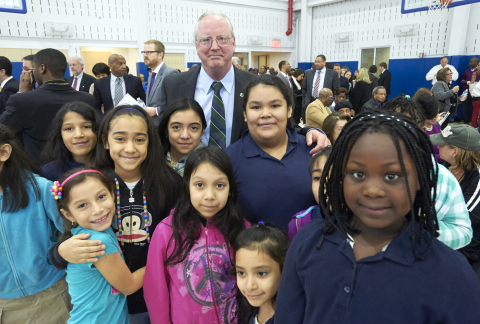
x: 149, y: 52
x: 222, y: 41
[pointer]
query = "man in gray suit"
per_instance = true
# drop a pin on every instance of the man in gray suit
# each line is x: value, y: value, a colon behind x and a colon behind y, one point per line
x: 153, y: 52
x: 316, y: 79
x: 285, y: 68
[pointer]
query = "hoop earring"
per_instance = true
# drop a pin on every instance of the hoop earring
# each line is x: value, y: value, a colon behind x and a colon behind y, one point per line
x: 453, y: 160
x: 74, y: 224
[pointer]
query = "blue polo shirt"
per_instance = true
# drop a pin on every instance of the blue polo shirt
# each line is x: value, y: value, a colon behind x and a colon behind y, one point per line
x: 329, y: 286
x: 270, y: 189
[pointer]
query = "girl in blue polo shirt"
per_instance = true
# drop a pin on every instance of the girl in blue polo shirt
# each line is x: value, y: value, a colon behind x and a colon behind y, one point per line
x: 374, y: 258
x: 98, y: 290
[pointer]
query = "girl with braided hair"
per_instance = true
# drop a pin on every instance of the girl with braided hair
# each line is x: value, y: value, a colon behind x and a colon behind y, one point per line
x: 374, y: 256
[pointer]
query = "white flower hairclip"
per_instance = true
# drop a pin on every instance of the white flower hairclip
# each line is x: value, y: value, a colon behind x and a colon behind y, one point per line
x: 447, y: 131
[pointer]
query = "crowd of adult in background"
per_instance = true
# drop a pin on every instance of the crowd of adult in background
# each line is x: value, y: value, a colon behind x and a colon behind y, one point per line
x: 246, y: 135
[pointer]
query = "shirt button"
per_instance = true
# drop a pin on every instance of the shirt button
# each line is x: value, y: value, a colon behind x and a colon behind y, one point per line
x: 347, y: 289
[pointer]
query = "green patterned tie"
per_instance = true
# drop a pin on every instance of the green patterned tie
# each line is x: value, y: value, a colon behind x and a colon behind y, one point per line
x: 217, y: 122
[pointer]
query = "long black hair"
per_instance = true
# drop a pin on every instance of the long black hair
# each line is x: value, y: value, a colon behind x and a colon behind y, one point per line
x: 400, y: 128
x: 406, y: 106
x: 162, y: 184
x: 180, y: 104
x: 55, y: 148
x: 16, y: 174
x: 266, y: 238
x: 186, y: 219
x: 273, y: 81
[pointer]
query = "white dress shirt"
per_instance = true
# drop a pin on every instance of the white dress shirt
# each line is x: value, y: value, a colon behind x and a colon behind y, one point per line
x: 436, y: 68
x: 79, y: 80
x: 113, y: 81
x: 287, y: 77
x: 322, y: 81
x: 5, y: 81
x: 204, y: 96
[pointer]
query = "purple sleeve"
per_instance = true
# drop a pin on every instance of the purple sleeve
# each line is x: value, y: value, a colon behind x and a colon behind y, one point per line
x: 296, y: 224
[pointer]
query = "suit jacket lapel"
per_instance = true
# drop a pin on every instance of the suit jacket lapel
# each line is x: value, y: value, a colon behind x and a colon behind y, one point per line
x: 188, y: 89
x: 158, y: 79
x: 237, y: 123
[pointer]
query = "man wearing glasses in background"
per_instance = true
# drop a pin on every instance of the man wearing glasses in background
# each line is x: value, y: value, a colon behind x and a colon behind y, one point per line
x: 215, y: 45
x: 27, y: 80
x: 153, y: 52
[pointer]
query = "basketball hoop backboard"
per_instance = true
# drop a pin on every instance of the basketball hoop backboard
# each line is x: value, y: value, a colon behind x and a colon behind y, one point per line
x: 409, y: 6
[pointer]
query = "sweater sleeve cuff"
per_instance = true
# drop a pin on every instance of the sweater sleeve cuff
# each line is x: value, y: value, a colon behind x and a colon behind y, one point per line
x: 57, y: 260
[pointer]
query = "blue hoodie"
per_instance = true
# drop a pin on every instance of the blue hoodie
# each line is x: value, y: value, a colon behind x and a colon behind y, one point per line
x: 25, y: 238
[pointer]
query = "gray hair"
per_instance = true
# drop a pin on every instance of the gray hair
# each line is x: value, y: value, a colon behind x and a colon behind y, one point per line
x: 378, y: 88
x: 236, y: 59
x: 213, y: 13
x: 79, y: 60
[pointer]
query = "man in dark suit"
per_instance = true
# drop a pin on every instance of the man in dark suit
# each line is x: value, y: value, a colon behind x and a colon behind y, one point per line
x: 153, y: 51
x: 32, y: 112
x: 8, y: 84
x: 215, y: 45
x: 341, y: 79
x: 79, y: 81
x: 109, y: 91
x: 284, y: 68
x: 385, y: 78
x: 371, y: 74
x: 379, y: 95
x: 317, y: 79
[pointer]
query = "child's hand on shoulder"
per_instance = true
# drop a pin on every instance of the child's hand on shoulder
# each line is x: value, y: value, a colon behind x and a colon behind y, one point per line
x: 78, y: 249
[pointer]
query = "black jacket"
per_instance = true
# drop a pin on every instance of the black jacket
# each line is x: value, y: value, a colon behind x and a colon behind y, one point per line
x: 32, y: 112
x: 183, y: 84
x: 87, y: 81
x: 10, y: 88
x: 385, y: 80
x: 344, y: 82
x: 370, y: 106
x: 360, y: 95
x: 470, y: 184
x: 331, y: 82
x: 103, y: 94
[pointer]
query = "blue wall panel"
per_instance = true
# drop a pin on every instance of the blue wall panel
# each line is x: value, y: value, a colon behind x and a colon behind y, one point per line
x: 189, y: 64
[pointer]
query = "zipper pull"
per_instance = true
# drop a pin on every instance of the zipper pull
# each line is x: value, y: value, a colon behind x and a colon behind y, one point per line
x: 131, y: 199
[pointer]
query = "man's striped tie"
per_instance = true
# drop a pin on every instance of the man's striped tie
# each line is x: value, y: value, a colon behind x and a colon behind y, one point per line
x: 217, y: 126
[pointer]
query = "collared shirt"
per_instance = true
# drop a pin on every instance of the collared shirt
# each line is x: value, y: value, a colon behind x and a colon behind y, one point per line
x: 79, y: 80
x: 157, y: 69
x: 286, y: 77
x: 270, y: 189
x: 452, y: 214
x: 5, y: 81
x: 322, y: 80
x: 180, y: 166
x: 436, y: 68
x: 204, y: 96
x: 374, y: 289
x: 113, y: 82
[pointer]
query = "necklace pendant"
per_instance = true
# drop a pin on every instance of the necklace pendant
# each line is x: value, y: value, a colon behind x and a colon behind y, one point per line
x: 131, y: 199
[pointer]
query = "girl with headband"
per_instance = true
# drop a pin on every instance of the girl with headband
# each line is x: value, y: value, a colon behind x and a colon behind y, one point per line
x: 146, y: 188
x: 31, y: 289
x: 85, y: 199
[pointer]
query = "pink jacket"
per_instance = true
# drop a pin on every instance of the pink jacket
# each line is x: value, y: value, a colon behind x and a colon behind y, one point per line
x: 183, y: 293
